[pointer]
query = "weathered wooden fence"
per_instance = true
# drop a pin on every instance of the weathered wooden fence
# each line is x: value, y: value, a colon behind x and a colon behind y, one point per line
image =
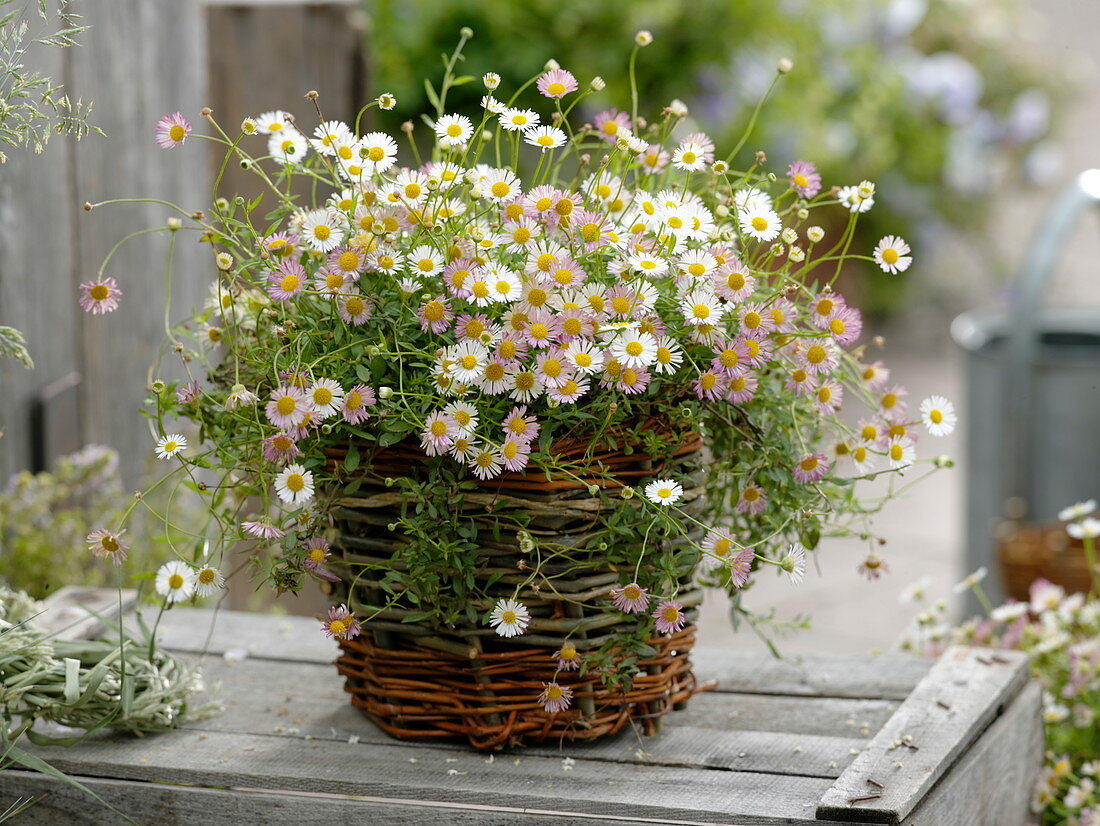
x: 140, y: 59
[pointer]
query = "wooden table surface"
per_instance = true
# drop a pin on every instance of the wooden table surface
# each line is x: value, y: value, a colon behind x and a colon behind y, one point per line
x: 954, y: 741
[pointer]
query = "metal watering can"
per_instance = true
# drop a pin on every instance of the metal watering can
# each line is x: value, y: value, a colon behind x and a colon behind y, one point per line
x: 1033, y: 412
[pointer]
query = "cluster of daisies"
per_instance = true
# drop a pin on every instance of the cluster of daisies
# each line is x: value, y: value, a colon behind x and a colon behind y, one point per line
x: 1060, y: 632
x: 530, y: 270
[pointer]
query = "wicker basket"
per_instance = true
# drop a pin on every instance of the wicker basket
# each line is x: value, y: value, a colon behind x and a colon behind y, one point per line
x: 418, y: 681
x: 1045, y: 551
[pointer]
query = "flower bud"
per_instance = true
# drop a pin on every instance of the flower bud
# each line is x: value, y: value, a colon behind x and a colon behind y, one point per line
x: 815, y: 234
x: 174, y: 224
x: 720, y: 167
x: 598, y: 84
x: 784, y: 65
x: 386, y: 101
x: 158, y: 386
x: 385, y: 392
x: 466, y: 32
x: 643, y: 38
x: 803, y: 214
x: 248, y: 126
x: 491, y: 80
x: 224, y: 261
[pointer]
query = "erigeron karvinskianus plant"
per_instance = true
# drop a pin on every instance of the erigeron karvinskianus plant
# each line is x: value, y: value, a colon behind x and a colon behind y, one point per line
x: 535, y: 278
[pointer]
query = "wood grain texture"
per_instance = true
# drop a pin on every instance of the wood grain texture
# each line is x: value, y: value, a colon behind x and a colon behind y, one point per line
x: 72, y: 612
x: 992, y: 783
x: 947, y: 711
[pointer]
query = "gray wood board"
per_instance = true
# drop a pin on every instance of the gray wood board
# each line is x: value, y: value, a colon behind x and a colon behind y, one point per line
x: 947, y: 711
x: 72, y: 613
x: 299, y: 639
x: 397, y: 770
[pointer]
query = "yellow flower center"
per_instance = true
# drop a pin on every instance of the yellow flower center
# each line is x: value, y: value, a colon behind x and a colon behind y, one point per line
x: 348, y: 261
x: 697, y: 269
x: 553, y: 691
x: 322, y: 396
x: 837, y: 326
x: 376, y: 153
x: 809, y: 463
x: 688, y: 157
x: 510, y: 450
x: 289, y: 283
x: 708, y: 380
x: 750, y: 494
x: 824, y: 394
x: 353, y: 400
x: 816, y: 354
x: 108, y: 544
x: 737, y: 383
x: 175, y: 582
x: 99, y: 292
x: 890, y: 255
x: 177, y: 132
x: 170, y: 446
x: 860, y: 454
x: 610, y: 127
x: 759, y: 223
x: 634, y: 348
x: 295, y: 482
x: 480, y: 289
x: 800, y: 179
x: 664, y: 355
x: 630, y: 377
x: 206, y: 576
x: 454, y: 130
x: 555, y: 89
x: 664, y: 493
x: 632, y: 592
x: 735, y: 281
x: 676, y: 222
x: 412, y: 190
x: 538, y: 331
x: 896, y: 452
x: 889, y: 400
x: 545, y: 140
x: 474, y: 328
x: 322, y: 232
x: 494, y: 371
x: 753, y: 320
x: 334, y: 280
x: 564, y: 207
x: 525, y: 381
x: 286, y: 405
x: 572, y: 326
x: 722, y: 547
x: 355, y: 306
x: 468, y: 361
x: 824, y: 306
x: 552, y: 368
x: 799, y: 375
x: 500, y: 189
x: 519, y: 120
x: 671, y: 614
x: 543, y: 204
x: 345, y: 152
x: 700, y: 311
x: 869, y: 432
x: 439, y: 429
x: 935, y: 416
x: 337, y: 627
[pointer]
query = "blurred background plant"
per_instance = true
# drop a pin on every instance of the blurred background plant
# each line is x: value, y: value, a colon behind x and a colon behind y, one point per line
x: 32, y: 105
x: 45, y: 517
x: 943, y: 103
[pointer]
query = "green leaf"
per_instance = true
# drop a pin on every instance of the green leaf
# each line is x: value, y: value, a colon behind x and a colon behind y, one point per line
x: 460, y: 81
x: 433, y: 98
x: 351, y: 461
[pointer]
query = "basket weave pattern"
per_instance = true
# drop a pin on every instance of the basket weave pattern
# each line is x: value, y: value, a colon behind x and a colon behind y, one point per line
x: 1041, y: 551
x: 418, y: 681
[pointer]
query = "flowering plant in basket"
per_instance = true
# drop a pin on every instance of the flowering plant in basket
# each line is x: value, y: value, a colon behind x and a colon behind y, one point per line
x: 519, y: 395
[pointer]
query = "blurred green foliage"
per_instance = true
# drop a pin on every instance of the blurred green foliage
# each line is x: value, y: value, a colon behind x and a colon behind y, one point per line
x: 44, y: 518
x: 940, y: 102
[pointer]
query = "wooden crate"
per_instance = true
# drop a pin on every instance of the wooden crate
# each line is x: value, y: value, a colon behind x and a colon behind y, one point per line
x: 832, y: 740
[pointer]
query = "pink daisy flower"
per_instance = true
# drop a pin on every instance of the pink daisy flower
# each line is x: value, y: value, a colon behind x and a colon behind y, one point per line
x: 741, y: 567
x: 818, y: 357
x: 187, y: 392
x: 472, y: 326
x: 287, y: 407
x: 784, y: 315
x: 610, y: 123
x: 800, y: 381
x: 823, y: 307
x: 873, y: 567
x: 356, y: 402
x: 172, y: 130
x: 845, y: 325
x: 107, y: 544
x: 280, y: 448
x: 630, y: 599
x: 805, y: 179
x: 440, y: 431
x: 340, y: 624
x: 633, y: 380
x: 317, y: 553
x: 811, y: 468
x: 751, y: 500
x: 741, y: 387
x: 892, y: 402
x: 703, y: 141
x: 286, y: 281
x: 733, y: 282
x: 718, y: 549
x: 670, y: 617
x: 511, y: 348
x: 874, y: 375
x: 557, y: 83
x: 435, y: 315
x: 569, y: 391
x: 353, y: 309
x: 486, y: 462
x: 756, y: 320
x: 830, y: 396
x: 515, y: 453
x: 518, y: 424
x: 98, y: 297
x: 347, y: 261
x: 281, y: 244
x: 567, y: 657
x: 542, y: 328
x: 262, y: 529
x: 458, y: 275
x: 555, y: 698
x: 711, y: 384
x: 654, y: 158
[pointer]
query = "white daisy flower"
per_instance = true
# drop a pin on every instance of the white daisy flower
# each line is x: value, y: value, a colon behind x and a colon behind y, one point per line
x: 892, y: 254
x: 794, y: 563
x: 504, y: 285
x: 664, y: 492
x: 322, y: 230
x: 501, y: 185
x: 751, y: 198
x: 667, y: 356
x: 901, y: 453
x: 517, y: 120
x: 424, y: 261
x: 689, y: 156
x: 1087, y: 528
x: 327, y: 397
x: 544, y: 137
x: 175, y: 581
x: 509, y: 618
x: 852, y: 197
x: 453, y: 130
x: 634, y: 349
x: 970, y: 580
x: 208, y: 581
x: 862, y: 458
x: 328, y: 135
x: 469, y: 359
x: 294, y: 485
x: 378, y: 151
x: 585, y: 356
x: 1077, y: 511
x: 701, y: 307
x: 651, y: 265
x: 938, y: 415
x: 486, y: 464
x: 288, y: 146
x: 465, y: 414
x: 170, y: 445
x: 271, y: 122
x: 763, y: 224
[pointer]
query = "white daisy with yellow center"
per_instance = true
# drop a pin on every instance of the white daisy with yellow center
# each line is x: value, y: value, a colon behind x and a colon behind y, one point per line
x: 170, y: 445
x: 892, y: 254
x: 294, y: 485
x: 453, y: 130
x: 510, y: 618
x: 664, y: 492
x: 938, y: 415
x: 175, y: 581
x: 326, y: 395
x: 761, y: 223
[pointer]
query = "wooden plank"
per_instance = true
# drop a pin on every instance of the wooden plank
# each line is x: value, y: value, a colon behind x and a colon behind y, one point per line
x: 827, y: 716
x: 947, y: 711
x: 37, y: 292
x: 163, y: 805
x: 887, y: 676
x: 285, y: 639
x: 139, y: 60
x: 70, y: 611
x: 300, y: 700
x: 396, y: 770
x: 995, y: 778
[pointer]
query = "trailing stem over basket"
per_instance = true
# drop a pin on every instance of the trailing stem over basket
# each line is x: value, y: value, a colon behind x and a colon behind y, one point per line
x: 546, y: 306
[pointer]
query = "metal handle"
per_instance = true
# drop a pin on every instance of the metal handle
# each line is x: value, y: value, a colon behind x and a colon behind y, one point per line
x: 1023, y: 337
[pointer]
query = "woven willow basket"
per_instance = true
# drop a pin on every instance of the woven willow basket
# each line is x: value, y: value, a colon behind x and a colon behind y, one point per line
x: 1041, y: 551
x: 417, y: 681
